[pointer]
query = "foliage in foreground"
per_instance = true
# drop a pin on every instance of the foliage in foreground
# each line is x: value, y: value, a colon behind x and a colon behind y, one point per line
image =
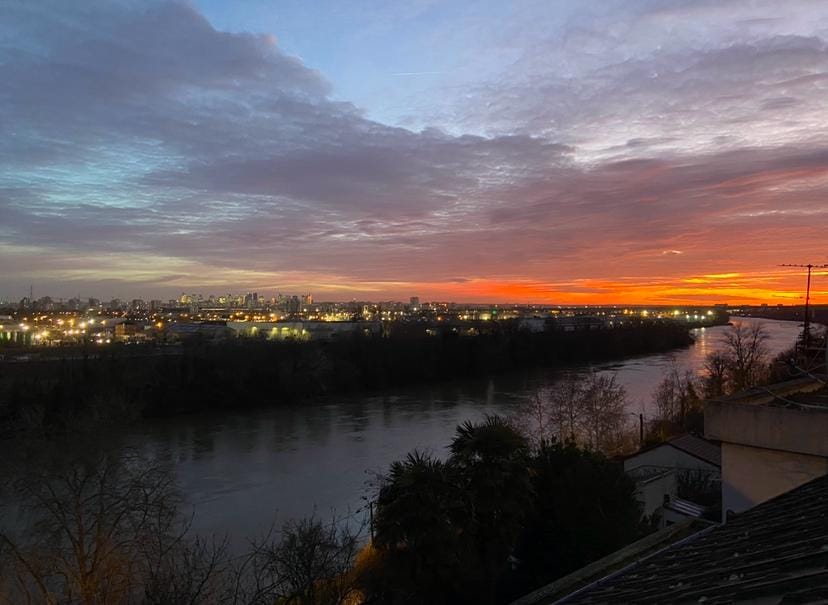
x: 494, y: 520
x: 106, y: 530
x: 497, y: 519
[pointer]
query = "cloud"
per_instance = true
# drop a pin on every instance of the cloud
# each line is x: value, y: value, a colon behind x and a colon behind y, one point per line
x: 753, y: 94
x: 146, y: 149
x: 688, y: 75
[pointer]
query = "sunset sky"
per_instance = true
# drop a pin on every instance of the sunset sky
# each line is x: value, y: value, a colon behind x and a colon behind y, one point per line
x: 578, y: 151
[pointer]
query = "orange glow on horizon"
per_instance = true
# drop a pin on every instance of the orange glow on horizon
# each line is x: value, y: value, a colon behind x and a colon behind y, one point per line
x: 730, y: 288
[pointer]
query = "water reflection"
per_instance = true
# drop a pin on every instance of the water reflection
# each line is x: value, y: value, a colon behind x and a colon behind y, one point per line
x: 241, y: 471
x: 640, y: 376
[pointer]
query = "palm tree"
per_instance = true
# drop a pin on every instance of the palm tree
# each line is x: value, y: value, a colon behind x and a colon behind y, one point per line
x: 419, y: 531
x: 492, y: 457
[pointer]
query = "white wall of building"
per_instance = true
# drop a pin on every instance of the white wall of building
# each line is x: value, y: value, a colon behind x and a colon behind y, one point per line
x: 751, y: 475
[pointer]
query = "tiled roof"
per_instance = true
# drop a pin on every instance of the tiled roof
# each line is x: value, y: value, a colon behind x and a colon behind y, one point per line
x: 690, y: 444
x: 775, y: 553
x: 817, y: 398
x: 698, y: 447
x: 620, y: 559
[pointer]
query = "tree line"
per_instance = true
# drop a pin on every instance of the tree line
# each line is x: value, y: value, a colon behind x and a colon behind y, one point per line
x: 743, y: 362
x: 118, y: 384
x: 586, y: 409
x: 592, y: 409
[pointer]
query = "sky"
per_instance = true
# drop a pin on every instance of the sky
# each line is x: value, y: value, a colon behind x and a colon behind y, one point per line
x: 550, y: 151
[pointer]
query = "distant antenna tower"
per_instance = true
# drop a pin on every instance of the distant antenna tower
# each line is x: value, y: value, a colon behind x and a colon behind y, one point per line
x: 807, y: 325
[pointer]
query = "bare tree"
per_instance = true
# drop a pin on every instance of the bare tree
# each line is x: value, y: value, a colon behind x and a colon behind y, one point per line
x: 566, y: 406
x: 715, y: 374
x: 187, y: 572
x: 90, y: 522
x: 676, y: 396
x: 534, y: 419
x: 588, y: 410
x: 311, y: 564
x: 106, y: 530
x: 747, y: 355
x: 603, y: 413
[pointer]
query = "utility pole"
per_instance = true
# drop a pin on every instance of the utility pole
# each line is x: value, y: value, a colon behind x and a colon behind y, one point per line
x: 807, y: 325
x: 641, y: 430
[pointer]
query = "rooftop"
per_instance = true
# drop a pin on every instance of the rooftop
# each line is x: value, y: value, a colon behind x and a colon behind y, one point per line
x: 803, y: 390
x: 645, y: 474
x: 774, y: 553
x: 814, y: 398
x: 698, y: 447
x: 693, y: 445
x: 613, y: 562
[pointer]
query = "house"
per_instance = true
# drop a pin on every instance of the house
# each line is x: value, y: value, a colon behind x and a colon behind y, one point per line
x: 772, y: 546
x: 774, y: 553
x: 672, y: 476
x: 683, y: 452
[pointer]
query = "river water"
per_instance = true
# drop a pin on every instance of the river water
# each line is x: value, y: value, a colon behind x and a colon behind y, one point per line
x: 243, y: 472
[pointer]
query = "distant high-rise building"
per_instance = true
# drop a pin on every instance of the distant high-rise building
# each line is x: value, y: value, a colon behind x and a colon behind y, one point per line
x: 155, y: 305
x: 415, y: 303
x: 45, y: 303
x: 251, y: 300
x: 283, y: 303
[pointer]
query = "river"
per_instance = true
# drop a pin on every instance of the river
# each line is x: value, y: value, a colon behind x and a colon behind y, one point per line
x: 243, y: 472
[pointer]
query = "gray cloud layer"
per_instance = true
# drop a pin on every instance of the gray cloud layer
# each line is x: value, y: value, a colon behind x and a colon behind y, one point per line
x: 137, y: 131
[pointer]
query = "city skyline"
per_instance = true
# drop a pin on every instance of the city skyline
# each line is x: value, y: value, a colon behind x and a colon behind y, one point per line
x: 552, y: 153
x: 271, y: 296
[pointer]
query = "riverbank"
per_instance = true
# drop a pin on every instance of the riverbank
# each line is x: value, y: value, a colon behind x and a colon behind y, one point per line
x: 77, y: 393
x: 240, y: 469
